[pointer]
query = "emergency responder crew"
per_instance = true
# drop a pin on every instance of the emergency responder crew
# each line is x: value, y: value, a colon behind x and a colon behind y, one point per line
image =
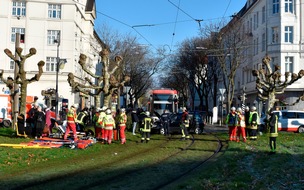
x: 273, y: 131
x: 145, y: 127
x: 71, y: 125
x: 99, y: 126
x: 232, y: 122
x: 241, y: 126
x: 82, y: 119
x: 185, y: 124
x: 247, y: 115
x: 108, y: 124
x: 253, y: 123
x: 122, y: 120
x: 165, y: 120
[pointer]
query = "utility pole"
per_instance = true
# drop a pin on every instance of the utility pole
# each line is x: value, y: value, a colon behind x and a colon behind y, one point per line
x: 16, y: 86
x: 57, y: 70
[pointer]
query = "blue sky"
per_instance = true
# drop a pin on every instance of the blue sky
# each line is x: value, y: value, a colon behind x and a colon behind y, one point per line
x: 155, y: 21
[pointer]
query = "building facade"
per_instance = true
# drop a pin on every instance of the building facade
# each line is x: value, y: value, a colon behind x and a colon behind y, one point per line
x: 59, y: 30
x: 274, y: 28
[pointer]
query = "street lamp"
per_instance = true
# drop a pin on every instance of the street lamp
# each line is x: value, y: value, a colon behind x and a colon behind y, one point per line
x: 222, y: 92
x: 59, y: 65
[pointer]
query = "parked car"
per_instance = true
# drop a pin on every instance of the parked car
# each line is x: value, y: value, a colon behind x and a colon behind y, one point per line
x: 288, y: 120
x: 196, y: 124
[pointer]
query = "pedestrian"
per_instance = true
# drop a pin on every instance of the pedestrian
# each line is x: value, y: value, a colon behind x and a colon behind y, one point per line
x: 122, y: 121
x: 253, y: 123
x: 273, y: 131
x: 247, y: 116
x: 165, y: 121
x: 232, y: 122
x: 241, y: 126
x: 134, y: 120
x: 108, y: 124
x: 71, y: 124
x: 47, y: 112
x: 39, y: 119
x: 185, y: 124
x: 30, y: 118
x: 145, y: 127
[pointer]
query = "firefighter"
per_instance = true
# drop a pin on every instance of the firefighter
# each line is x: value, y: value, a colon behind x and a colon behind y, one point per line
x: 241, y: 126
x: 122, y: 120
x: 108, y: 124
x: 185, y: 124
x: 165, y: 120
x: 145, y: 127
x: 71, y: 125
x: 82, y: 119
x: 273, y: 131
x: 99, y: 126
x: 247, y: 115
x: 232, y: 122
x: 253, y: 123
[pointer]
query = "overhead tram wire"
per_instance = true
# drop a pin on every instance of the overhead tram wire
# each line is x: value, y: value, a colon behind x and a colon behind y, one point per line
x: 196, y: 20
x: 174, y: 29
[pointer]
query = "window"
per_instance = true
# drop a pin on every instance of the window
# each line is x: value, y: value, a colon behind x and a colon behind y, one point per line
x: 300, y: 115
x: 16, y: 30
x: 274, y: 61
x: 288, y: 6
x: 263, y: 14
x: 53, y: 36
x: 263, y: 42
x: 12, y: 65
x: 275, y: 6
x: 289, y: 34
x: 54, y: 11
x: 51, y: 63
x: 18, y: 8
x: 275, y: 34
x: 289, y: 64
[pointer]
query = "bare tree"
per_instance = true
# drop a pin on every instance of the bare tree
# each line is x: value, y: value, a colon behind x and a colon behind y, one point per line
x: 21, y: 79
x: 105, y: 83
x: 269, y: 83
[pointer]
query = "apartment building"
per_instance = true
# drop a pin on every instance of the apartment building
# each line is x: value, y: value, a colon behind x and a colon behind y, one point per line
x: 274, y: 28
x: 57, y: 29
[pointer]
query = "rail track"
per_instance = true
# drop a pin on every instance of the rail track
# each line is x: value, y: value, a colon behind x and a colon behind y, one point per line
x: 117, y: 175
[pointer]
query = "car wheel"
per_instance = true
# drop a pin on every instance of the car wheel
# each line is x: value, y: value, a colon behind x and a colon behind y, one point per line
x: 162, y: 131
x: 301, y: 129
x: 198, y: 131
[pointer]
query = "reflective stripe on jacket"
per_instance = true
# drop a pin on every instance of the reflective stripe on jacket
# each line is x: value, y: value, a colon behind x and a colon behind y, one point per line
x: 108, y: 122
x: 71, y: 115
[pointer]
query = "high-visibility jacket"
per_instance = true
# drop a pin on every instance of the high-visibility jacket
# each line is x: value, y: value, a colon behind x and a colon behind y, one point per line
x: 108, y: 122
x: 71, y: 115
x: 100, y: 118
x: 122, y: 119
x: 232, y: 119
x: 273, y: 126
x: 81, y: 118
x: 254, y: 120
x: 241, y: 120
x: 146, y: 124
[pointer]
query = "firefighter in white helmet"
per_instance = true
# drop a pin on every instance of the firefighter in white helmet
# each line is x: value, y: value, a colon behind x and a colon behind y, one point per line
x: 253, y: 123
x: 108, y: 124
x: 232, y: 121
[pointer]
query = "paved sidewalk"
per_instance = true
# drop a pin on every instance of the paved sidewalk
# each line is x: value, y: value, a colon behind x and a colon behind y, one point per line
x: 216, y: 128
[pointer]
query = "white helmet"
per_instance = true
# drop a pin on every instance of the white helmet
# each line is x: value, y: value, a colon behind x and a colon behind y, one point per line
x: 147, y: 113
x: 232, y: 109
x: 104, y: 108
x: 108, y: 111
x: 240, y: 110
x: 123, y: 110
x: 253, y: 108
x: 247, y: 108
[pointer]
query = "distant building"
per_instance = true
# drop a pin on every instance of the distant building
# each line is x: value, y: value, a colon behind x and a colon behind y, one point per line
x: 42, y: 24
x: 273, y: 28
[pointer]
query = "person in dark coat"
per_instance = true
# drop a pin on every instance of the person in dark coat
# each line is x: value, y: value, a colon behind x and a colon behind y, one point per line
x: 39, y: 119
x: 165, y: 120
x: 273, y: 131
x: 135, y: 120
